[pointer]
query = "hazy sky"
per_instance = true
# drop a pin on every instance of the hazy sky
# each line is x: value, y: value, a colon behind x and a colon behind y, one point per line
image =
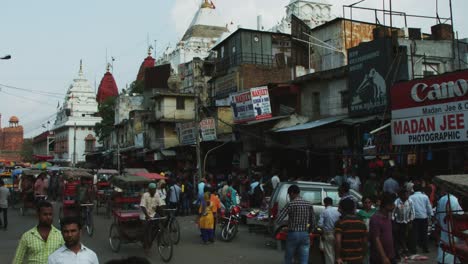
x: 47, y: 39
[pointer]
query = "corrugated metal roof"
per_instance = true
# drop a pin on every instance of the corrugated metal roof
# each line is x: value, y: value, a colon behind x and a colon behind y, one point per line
x: 313, y: 124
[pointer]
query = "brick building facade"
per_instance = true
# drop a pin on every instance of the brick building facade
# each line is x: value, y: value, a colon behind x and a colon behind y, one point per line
x: 11, y: 140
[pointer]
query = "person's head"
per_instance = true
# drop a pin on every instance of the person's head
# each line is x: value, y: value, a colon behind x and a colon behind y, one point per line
x: 45, y: 213
x: 343, y: 189
x: 417, y: 188
x: 328, y: 201
x: 152, y: 188
x: 387, y: 202
x: 366, y: 203
x: 293, y: 192
x: 229, y: 182
x: 41, y: 175
x: 161, y: 184
x: 347, y: 206
x: 2, y: 183
x: 403, y: 194
x: 71, y: 231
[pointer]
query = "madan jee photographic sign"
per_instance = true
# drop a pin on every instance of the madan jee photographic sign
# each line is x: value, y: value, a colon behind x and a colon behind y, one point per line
x: 430, y: 110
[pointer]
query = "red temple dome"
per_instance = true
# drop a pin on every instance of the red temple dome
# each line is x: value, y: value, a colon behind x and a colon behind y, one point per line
x: 107, y: 87
x: 149, y: 62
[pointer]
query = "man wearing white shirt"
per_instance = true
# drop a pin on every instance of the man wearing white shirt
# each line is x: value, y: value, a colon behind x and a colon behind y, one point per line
x: 354, y: 182
x: 422, y: 212
x: 327, y: 221
x: 73, y: 252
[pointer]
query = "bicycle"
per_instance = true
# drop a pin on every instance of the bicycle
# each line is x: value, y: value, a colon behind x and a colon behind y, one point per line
x: 86, y: 211
x: 173, y: 225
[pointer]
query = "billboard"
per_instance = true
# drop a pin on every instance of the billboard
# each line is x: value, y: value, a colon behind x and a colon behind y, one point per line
x: 431, y: 110
x: 187, y: 133
x: 369, y: 65
x: 251, y: 105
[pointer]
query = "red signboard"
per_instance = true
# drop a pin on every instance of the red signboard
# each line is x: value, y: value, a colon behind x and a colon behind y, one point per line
x: 431, y: 110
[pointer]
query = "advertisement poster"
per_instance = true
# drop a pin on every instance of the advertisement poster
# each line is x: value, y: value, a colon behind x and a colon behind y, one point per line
x: 431, y: 110
x: 261, y: 102
x: 208, y: 129
x: 370, y: 76
x: 242, y: 107
x: 251, y: 105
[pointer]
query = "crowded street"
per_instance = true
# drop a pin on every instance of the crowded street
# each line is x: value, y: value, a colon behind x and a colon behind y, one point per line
x: 246, y: 248
x: 221, y: 131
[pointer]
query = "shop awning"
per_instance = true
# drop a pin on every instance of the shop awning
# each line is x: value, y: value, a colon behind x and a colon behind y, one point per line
x: 312, y: 124
x: 358, y: 120
x: 265, y: 120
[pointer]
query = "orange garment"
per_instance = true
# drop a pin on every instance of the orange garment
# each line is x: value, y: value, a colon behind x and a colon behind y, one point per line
x: 215, y: 203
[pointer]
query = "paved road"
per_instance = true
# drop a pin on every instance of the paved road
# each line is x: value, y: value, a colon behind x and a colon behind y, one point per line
x: 245, y: 248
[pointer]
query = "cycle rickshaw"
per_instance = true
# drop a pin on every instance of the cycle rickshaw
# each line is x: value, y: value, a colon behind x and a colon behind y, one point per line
x: 78, y: 197
x: 453, y: 219
x: 26, y: 188
x: 127, y: 226
x: 103, y: 188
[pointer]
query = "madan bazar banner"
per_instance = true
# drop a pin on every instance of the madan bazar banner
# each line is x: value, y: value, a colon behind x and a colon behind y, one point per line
x: 251, y: 105
x: 431, y: 110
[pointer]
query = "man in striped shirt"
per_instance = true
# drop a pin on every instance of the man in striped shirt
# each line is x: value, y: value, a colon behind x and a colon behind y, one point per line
x: 350, y: 235
x: 37, y: 244
x: 300, y: 223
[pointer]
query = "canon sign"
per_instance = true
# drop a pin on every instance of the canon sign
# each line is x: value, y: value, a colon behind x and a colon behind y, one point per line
x: 422, y: 92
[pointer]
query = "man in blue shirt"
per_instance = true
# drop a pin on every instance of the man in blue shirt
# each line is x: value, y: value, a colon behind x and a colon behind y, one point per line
x: 391, y: 185
x: 328, y: 218
x: 422, y: 212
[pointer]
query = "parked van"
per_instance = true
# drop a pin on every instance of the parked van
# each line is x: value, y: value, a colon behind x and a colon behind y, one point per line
x: 313, y: 192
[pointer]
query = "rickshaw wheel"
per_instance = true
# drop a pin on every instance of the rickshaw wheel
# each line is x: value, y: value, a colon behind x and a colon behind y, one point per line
x: 90, y: 225
x: 97, y: 207
x: 165, y: 246
x: 114, y: 238
x: 174, y: 229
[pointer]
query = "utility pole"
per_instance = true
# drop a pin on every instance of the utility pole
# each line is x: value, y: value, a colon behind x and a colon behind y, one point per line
x: 197, y: 133
x: 118, y: 151
x: 74, y: 145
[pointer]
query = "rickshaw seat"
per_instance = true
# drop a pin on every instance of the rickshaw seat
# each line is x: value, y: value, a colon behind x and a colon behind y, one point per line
x: 68, y: 202
x: 126, y: 215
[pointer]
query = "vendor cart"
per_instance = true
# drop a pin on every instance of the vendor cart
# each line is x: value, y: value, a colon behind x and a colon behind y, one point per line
x: 452, y: 219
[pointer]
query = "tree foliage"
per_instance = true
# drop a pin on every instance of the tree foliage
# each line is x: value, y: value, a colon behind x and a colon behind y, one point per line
x: 106, y: 112
x: 27, y: 150
x: 136, y: 87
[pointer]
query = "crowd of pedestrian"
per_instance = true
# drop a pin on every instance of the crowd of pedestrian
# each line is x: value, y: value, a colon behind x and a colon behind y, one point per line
x: 391, y: 223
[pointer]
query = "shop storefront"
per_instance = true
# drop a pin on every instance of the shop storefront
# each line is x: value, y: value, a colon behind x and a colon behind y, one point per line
x: 430, y: 122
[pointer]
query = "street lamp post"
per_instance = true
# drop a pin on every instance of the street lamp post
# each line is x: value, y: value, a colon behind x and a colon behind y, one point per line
x: 6, y: 57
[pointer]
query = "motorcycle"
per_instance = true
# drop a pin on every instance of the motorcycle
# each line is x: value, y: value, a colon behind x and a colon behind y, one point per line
x: 230, y: 224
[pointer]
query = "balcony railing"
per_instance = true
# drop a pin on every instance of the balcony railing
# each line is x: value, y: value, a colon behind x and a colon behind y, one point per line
x: 243, y: 58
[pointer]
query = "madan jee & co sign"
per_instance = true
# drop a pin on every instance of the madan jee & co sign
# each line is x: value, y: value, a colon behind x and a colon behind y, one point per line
x: 430, y: 110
